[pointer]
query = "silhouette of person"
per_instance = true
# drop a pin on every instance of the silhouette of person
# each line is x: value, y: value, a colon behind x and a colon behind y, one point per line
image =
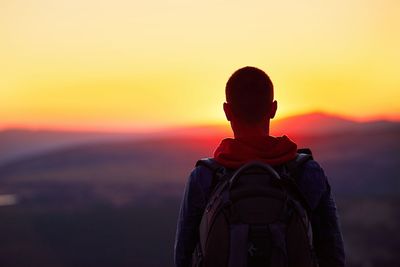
x: 249, y: 107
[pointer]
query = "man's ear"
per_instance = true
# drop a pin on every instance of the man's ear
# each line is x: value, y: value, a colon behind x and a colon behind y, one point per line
x: 228, y: 111
x: 274, y: 107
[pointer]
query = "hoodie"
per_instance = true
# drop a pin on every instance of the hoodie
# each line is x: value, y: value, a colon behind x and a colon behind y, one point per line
x: 233, y: 153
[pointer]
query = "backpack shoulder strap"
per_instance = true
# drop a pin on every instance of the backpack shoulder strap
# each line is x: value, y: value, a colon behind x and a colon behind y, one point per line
x: 304, y: 150
x: 300, y: 159
x: 292, y: 171
x: 211, y: 164
x: 303, y: 155
x: 218, y: 171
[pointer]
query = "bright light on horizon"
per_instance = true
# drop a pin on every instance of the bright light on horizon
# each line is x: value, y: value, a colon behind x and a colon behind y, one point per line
x: 129, y: 65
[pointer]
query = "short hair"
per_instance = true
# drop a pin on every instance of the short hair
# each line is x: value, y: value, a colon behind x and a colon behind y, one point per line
x: 250, y: 93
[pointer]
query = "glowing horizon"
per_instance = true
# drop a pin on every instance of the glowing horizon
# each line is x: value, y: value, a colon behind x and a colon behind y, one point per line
x: 151, y: 128
x: 119, y: 65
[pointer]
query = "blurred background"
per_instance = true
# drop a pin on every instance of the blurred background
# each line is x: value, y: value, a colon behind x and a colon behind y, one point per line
x: 106, y: 106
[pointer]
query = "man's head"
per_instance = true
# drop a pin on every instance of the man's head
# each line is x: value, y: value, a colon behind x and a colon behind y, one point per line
x: 249, y: 97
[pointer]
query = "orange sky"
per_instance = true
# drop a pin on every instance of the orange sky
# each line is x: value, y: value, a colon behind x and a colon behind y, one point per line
x: 126, y: 64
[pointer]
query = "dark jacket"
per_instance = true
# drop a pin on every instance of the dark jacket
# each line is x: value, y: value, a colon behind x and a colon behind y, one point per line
x: 312, y: 182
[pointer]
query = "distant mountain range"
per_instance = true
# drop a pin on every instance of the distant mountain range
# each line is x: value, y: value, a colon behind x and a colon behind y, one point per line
x: 18, y: 143
x: 318, y: 123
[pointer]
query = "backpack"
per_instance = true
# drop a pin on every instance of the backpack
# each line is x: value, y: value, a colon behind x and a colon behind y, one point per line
x: 255, y: 216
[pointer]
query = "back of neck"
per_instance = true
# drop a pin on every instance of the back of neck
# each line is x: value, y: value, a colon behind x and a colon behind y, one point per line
x: 243, y: 131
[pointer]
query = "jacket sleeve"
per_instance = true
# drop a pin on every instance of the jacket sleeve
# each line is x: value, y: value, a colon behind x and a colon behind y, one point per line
x: 328, y: 241
x: 191, y: 211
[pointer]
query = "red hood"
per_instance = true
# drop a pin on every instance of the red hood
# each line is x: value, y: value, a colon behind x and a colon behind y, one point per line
x: 233, y: 153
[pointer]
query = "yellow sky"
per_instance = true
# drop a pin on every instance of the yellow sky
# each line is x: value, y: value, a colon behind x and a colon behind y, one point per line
x: 131, y: 64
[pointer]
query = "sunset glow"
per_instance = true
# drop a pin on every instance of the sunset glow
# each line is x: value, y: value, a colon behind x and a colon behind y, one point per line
x: 143, y: 64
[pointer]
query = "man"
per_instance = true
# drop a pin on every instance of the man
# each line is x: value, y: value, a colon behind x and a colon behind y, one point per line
x: 249, y: 107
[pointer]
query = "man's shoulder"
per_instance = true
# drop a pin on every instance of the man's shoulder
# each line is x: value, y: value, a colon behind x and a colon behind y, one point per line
x: 201, y: 175
x: 310, y: 172
x: 312, y: 166
x: 202, y: 171
x: 312, y: 179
